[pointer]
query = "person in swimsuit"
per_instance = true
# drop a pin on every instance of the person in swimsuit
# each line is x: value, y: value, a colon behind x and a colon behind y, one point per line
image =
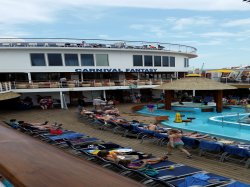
x: 176, y: 142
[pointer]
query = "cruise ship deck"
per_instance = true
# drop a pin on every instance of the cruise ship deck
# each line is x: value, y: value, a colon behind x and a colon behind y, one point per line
x: 70, y: 121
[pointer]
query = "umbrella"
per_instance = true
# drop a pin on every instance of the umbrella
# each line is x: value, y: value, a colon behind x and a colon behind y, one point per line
x: 8, y: 95
x: 221, y: 71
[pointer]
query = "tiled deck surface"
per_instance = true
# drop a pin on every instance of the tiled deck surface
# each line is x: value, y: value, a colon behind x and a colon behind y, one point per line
x: 70, y: 121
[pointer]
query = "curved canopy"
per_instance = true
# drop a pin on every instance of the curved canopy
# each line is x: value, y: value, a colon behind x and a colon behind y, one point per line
x: 193, y: 75
x: 8, y: 95
x: 221, y: 71
x: 194, y: 83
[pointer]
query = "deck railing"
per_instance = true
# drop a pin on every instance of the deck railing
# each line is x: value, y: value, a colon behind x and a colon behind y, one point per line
x: 95, y: 43
x: 5, y: 87
x: 87, y: 83
x: 8, y: 86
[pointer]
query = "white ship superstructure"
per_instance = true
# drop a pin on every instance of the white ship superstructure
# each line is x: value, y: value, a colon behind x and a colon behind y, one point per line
x: 74, y: 67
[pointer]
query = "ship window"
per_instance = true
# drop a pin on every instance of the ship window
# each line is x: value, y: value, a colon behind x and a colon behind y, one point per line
x: 37, y: 59
x: 137, y: 60
x: 172, y: 61
x: 87, y: 60
x: 102, y: 60
x: 148, y: 60
x: 157, y: 60
x: 55, y: 59
x: 165, y: 61
x: 71, y: 60
x: 186, y: 62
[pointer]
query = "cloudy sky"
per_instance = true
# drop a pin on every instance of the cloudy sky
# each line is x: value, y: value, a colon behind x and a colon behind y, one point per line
x: 219, y: 29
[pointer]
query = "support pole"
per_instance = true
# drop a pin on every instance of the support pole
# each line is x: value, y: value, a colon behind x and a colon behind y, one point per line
x: 193, y: 93
x: 61, y: 99
x: 168, y: 99
x: 29, y: 77
x: 104, y: 94
x: 219, y: 101
x: 81, y: 76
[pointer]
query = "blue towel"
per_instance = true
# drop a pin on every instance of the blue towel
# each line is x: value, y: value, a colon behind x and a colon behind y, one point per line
x: 190, y: 181
x: 201, y: 176
x: 201, y: 179
x: 238, y: 184
x: 66, y: 136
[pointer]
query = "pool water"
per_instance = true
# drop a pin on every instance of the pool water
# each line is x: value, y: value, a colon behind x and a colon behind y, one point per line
x: 227, y: 124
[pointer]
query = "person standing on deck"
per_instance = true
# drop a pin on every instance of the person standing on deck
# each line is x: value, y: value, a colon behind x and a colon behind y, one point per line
x: 176, y: 142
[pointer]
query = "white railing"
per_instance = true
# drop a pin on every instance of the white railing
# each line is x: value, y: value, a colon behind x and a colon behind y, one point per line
x: 95, y: 43
x: 5, y: 87
x: 87, y: 83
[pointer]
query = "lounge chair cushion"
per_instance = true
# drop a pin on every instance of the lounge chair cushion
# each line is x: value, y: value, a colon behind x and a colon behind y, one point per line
x: 211, y: 146
x: 237, y: 151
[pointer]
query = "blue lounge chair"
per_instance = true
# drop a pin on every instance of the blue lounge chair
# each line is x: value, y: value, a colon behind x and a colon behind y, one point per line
x: 190, y: 142
x: 236, y: 184
x: 237, y: 154
x: 210, y: 148
x: 144, y: 134
x: 200, y: 179
x: 162, y: 165
x: 73, y: 135
x: 179, y: 171
x: 161, y: 138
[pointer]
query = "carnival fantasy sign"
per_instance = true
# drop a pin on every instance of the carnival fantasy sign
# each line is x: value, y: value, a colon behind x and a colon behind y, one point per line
x: 106, y: 70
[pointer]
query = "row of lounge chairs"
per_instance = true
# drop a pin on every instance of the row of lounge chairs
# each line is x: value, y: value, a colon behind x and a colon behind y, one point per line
x: 168, y: 173
x: 204, y: 145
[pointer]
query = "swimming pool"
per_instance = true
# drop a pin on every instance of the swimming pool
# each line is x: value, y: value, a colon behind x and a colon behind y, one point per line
x: 223, y: 124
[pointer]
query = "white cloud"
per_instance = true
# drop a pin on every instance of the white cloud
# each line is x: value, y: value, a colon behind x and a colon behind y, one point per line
x: 238, y: 22
x: 181, y: 23
x: 167, y: 4
x: 205, y: 43
x: 104, y: 36
x: 16, y: 11
x: 218, y: 34
x: 137, y: 26
x: 234, y: 36
x: 150, y: 29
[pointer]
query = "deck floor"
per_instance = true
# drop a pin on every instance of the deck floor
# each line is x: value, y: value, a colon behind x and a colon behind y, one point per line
x: 26, y: 161
x: 70, y: 121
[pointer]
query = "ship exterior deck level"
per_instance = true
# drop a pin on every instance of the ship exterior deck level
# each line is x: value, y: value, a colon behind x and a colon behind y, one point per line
x: 94, y: 43
x: 90, y: 85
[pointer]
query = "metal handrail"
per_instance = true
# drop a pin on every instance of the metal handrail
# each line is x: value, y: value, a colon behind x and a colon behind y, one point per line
x: 95, y: 43
x: 85, y: 83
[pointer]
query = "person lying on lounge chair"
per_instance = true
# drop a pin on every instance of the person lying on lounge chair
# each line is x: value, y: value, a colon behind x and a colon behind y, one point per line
x: 141, y: 163
x: 156, y: 128
x: 196, y: 135
x: 106, y: 117
x: 86, y: 112
x: 113, y: 111
x: 41, y: 126
x: 115, y: 156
